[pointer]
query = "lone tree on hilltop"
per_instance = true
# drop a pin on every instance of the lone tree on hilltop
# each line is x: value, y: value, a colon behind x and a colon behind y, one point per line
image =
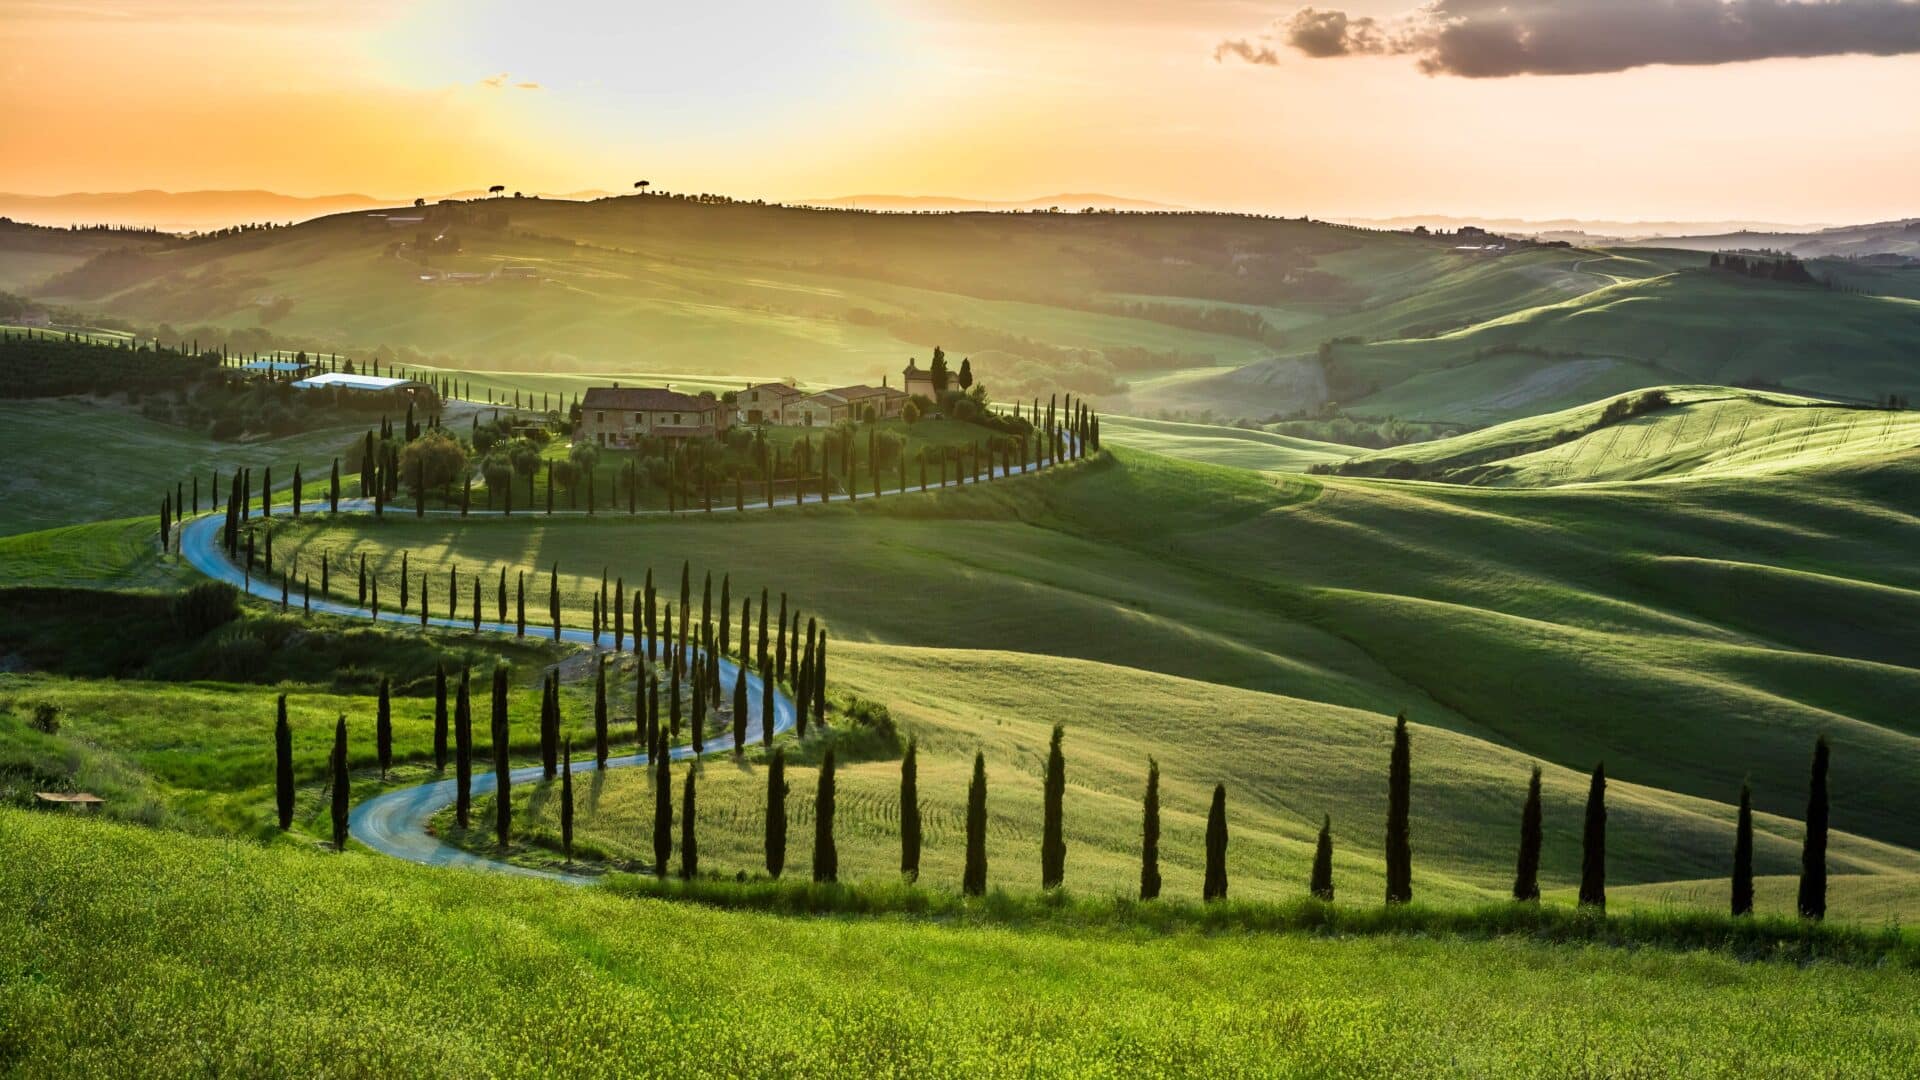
x: 826, y: 858
x: 283, y: 767
x: 1321, y: 883
x: 1053, y: 844
x: 973, y: 881
x: 1742, y: 898
x: 777, y: 813
x: 1813, y: 855
x: 1526, y: 874
x: 1215, y: 885
x: 910, y: 811
x: 1399, y: 801
x: 340, y: 783
x: 1150, y: 835
x: 1593, y: 843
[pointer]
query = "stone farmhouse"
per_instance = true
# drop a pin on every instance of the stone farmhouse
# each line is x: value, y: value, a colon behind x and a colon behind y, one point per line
x: 617, y: 417
x: 783, y: 405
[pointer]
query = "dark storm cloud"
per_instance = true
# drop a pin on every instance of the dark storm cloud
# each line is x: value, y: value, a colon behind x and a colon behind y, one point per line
x: 1482, y: 39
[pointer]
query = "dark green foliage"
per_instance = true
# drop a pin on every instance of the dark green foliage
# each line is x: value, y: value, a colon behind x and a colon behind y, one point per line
x: 777, y: 813
x: 340, y: 783
x: 502, y: 765
x: 1321, y: 883
x: 689, y: 849
x: 1813, y: 854
x: 566, y: 801
x: 553, y: 600
x: 599, y: 713
x: 1053, y: 844
x: 1742, y: 898
x: 440, y: 718
x: 910, y: 812
x: 1526, y: 874
x: 1150, y: 835
x: 826, y: 857
x: 204, y: 608
x: 283, y: 767
x: 973, y: 881
x: 817, y: 681
x: 549, y: 725
x: 1593, y: 843
x: 662, y: 809
x: 383, y: 726
x: 740, y: 709
x: 1215, y: 885
x: 1399, y: 851
x: 463, y: 754
x: 766, y: 701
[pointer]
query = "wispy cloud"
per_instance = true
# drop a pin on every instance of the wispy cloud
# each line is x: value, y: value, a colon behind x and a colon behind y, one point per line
x: 504, y: 81
x: 1497, y: 38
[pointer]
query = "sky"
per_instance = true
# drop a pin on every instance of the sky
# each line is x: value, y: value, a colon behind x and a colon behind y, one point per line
x: 1776, y: 110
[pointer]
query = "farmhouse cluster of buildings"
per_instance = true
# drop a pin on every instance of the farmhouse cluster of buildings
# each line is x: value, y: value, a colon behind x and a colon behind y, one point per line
x: 615, y: 416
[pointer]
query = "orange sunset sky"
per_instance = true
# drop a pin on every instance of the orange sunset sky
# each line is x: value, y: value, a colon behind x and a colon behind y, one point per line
x: 1213, y: 103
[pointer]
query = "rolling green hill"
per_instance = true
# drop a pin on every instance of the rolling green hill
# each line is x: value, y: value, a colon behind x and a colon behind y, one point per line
x: 1263, y: 451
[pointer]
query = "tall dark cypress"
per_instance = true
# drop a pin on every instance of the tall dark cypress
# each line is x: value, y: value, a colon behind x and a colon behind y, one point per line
x: 553, y: 600
x: 502, y: 767
x: 766, y: 702
x: 439, y: 718
x: 341, y: 783
x: 762, y: 654
x: 463, y: 754
x: 689, y: 848
x: 802, y: 690
x: 746, y: 628
x: 1743, y: 854
x: 333, y: 489
x: 780, y: 642
x: 1053, y: 843
x: 662, y: 809
x: 826, y: 858
x: 1813, y: 854
x: 619, y: 613
x: 500, y: 597
x: 817, y: 680
x: 973, y: 879
x: 726, y: 612
x: 549, y: 725
x: 777, y: 813
x: 1321, y: 884
x: 1593, y: 843
x: 520, y: 604
x: 1399, y: 804
x: 673, y: 700
x: 283, y: 767
x: 599, y: 714
x: 1215, y: 885
x: 740, y: 709
x: 566, y: 801
x: 910, y: 811
x: 1526, y: 874
x: 1150, y: 835
x: 383, y: 726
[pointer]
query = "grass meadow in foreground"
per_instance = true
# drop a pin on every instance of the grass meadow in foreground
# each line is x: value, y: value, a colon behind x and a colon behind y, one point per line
x: 228, y: 957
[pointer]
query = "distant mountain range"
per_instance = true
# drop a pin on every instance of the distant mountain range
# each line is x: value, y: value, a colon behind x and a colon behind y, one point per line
x: 1073, y: 201
x: 188, y: 211
x: 1591, y: 228
x: 1846, y: 241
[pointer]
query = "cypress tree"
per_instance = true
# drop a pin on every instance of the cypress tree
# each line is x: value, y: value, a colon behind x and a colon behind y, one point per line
x: 1215, y: 885
x: 599, y: 713
x: 283, y: 767
x: 653, y: 708
x: 1593, y: 843
x: 699, y: 725
x: 746, y: 628
x: 340, y: 783
x: 1053, y: 843
x: 383, y: 726
x: 826, y: 859
x: 296, y: 489
x: 500, y: 597
x: 363, y: 579
x: 440, y: 717
x: 673, y: 700
x: 566, y: 802
x: 780, y: 642
x: 463, y: 754
x: 1526, y: 874
x: 973, y: 881
x: 1813, y: 855
x: 619, y: 613
x: 662, y: 810
x: 817, y: 681
x: 333, y: 489
x: 802, y: 691
x: 476, y: 603
x: 1150, y: 835
x: 1743, y: 854
x: 1321, y: 884
x: 1399, y: 802
x: 689, y: 850
x: 726, y: 613
x: 763, y: 628
x: 777, y: 813
x: 910, y: 812
x: 549, y: 725
x: 766, y: 702
x: 502, y: 770
x: 553, y: 599
x: 403, y: 581
x: 520, y: 604
x: 739, y: 709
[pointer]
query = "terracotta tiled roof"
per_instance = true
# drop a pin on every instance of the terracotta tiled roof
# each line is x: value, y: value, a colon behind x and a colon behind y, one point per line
x: 644, y: 399
x: 778, y: 389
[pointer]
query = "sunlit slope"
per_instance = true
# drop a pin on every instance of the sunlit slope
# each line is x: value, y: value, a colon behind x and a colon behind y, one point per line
x: 1688, y: 326
x: 304, y: 962
x: 1285, y: 762
x: 1220, y: 445
x: 1700, y: 431
x: 1689, y: 635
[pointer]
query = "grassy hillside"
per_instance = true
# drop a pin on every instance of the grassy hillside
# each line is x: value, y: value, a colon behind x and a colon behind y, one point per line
x: 230, y: 956
x: 1690, y: 431
x: 1262, y: 451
